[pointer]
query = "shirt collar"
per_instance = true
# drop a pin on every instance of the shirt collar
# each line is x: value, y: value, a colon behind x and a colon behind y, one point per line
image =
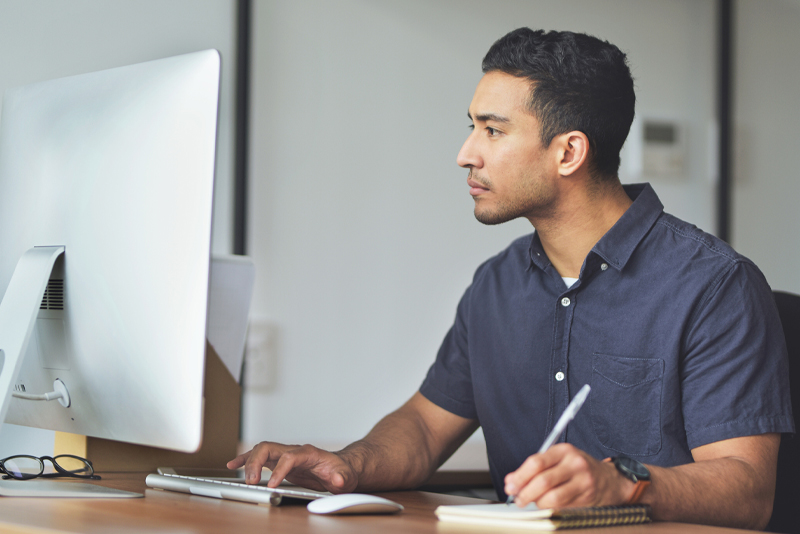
x: 617, y: 245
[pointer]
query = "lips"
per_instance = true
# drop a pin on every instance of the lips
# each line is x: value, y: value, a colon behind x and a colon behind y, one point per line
x: 475, y: 187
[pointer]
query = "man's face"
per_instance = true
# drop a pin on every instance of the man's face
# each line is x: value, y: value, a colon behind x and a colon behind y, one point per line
x: 510, y: 174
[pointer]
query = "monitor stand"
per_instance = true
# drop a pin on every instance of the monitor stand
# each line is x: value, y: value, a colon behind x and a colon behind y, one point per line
x: 18, y: 312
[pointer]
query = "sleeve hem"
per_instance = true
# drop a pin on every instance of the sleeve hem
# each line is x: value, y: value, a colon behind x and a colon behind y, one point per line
x: 737, y: 429
x: 462, y: 409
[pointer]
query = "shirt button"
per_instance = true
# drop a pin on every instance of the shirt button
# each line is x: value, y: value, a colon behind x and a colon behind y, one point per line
x: 565, y: 302
x: 559, y: 376
x: 603, y: 266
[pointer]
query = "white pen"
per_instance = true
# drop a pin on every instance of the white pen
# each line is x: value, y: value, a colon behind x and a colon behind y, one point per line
x: 568, y: 415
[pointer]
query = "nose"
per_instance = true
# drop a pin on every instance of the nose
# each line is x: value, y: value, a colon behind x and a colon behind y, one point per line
x: 468, y: 157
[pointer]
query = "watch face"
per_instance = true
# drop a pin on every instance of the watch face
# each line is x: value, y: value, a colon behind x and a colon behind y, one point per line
x: 633, y: 467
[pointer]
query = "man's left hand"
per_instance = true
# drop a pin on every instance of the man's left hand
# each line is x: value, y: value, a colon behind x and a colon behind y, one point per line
x: 566, y: 476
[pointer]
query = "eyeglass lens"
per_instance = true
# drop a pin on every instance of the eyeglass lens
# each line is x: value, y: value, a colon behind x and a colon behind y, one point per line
x: 73, y: 464
x: 23, y: 466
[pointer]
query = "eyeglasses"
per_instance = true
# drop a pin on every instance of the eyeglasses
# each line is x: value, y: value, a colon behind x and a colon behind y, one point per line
x: 24, y: 467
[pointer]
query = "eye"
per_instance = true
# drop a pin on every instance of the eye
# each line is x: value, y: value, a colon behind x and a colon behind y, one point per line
x: 471, y: 127
x: 492, y: 131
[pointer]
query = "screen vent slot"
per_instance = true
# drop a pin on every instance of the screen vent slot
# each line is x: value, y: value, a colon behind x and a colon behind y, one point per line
x: 54, y: 295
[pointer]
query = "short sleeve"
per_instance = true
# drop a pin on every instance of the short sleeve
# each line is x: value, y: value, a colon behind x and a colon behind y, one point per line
x: 449, y: 382
x: 735, y: 372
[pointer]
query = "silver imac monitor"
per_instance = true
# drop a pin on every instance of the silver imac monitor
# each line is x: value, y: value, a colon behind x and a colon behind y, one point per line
x: 106, y: 193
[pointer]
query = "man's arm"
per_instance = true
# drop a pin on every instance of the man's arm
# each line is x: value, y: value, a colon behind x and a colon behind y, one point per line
x: 402, y: 451
x: 731, y: 483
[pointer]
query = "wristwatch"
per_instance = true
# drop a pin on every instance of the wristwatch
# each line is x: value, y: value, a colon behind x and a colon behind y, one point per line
x: 634, y: 471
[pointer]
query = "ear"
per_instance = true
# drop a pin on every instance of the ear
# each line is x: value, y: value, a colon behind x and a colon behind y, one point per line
x: 573, y: 152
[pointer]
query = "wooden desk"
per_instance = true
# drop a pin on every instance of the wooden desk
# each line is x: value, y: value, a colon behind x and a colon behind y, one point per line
x: 164, y: 512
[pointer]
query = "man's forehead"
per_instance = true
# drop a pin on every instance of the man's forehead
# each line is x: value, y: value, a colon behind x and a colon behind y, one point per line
x: 500, y: 97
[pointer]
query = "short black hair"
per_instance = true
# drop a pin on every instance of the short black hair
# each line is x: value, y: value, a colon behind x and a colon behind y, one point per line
x: 579, y: 82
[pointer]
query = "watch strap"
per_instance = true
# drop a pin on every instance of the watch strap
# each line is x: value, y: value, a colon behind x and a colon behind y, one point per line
x: 639, y: 485
x: 638, y: 489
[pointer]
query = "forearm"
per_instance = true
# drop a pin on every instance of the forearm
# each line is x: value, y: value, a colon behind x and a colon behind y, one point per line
x: 725, y: 491
x: 402, y: 451
x: 731, y: 482
x: 406, y: 447
x: 390, y: 456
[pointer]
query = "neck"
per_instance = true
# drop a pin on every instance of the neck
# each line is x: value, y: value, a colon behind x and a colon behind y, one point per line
x: 582, y: 215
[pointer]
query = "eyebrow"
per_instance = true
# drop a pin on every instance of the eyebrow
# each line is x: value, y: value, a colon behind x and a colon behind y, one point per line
x: 484, y: 117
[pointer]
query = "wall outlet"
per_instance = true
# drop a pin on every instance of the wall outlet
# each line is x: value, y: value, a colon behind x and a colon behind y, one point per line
x: 261, y: 357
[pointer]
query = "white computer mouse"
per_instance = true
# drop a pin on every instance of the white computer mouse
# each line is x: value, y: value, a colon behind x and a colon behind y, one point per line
x: 354, y: 503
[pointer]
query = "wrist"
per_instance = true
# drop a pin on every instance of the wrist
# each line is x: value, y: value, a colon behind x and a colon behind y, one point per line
x: 354, y: 457
x: 621, y: 488
x: 635, y: 478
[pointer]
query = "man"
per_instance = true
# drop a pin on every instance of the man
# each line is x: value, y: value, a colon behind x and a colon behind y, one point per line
x: 676, y: 333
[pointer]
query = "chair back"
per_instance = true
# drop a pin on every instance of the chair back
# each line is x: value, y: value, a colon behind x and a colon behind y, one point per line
x: 786, y: 510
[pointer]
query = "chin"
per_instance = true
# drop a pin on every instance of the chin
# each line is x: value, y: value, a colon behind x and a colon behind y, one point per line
x: 491, y: 219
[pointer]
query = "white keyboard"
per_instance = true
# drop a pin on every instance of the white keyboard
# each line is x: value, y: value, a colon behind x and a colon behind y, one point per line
x: 225, y: 489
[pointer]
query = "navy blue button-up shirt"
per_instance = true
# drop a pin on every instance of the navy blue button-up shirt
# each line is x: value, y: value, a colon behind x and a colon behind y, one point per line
x: 677, y: 334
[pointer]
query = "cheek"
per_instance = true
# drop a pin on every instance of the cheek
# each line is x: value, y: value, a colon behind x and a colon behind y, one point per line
x: 537, y: 165
x: 507, y: 166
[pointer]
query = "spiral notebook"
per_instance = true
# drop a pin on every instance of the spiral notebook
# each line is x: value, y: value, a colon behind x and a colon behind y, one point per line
x: 533, y: 518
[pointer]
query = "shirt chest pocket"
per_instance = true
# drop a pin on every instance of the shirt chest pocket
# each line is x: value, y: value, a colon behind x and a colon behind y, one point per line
x: 626, y: 403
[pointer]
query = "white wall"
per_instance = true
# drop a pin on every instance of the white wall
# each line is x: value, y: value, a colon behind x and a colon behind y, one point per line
x: 360, y: 222
x: 766, y: 221
x: 361, y: 225
x: 45, y: 39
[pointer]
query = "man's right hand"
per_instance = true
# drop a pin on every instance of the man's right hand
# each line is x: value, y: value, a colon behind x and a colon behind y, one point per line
x: 305, y: 466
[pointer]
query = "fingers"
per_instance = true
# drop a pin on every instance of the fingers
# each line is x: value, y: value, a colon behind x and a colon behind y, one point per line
x: 561, y: 476
x: 533, y: 477
x: 565, y: 483
x: 315, y: 469
x: 286, y: 464
x: 262, y: 455
x: 305, y: 466
x: 238, y: 462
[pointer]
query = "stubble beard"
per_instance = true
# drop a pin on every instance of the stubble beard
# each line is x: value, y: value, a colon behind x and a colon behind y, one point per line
x: 503, y: 213
x: 532, y: 201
